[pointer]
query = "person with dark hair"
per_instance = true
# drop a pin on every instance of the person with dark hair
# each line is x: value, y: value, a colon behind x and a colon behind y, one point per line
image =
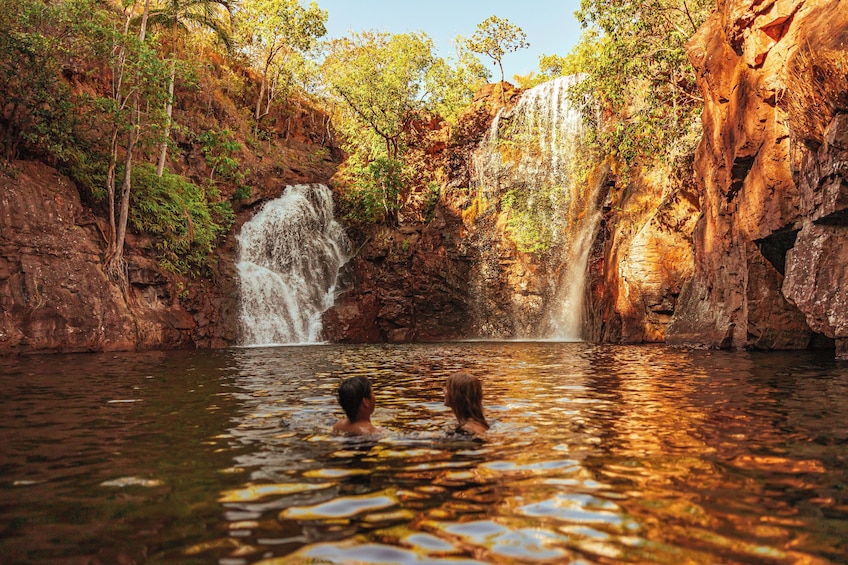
x: 464, y: 395
x: 356, y: 398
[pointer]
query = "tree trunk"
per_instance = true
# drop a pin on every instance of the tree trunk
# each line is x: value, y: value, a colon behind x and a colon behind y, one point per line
x: 117, y: 96
x: 257, y: 114
x: 115, y: 259
x: 501, y: 86
x: 110, y: 189
x: 169, y: 111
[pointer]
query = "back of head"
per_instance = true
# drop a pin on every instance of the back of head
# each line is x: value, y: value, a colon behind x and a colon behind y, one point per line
x: 466, y: 395
x: 351, y: 393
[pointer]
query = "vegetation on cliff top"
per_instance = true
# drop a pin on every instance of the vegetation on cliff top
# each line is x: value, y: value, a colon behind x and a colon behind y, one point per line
x: 633, y: 56
x: 101, y: 88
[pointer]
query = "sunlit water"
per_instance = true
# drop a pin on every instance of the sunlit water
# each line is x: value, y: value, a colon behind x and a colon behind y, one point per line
x: 597, y: 454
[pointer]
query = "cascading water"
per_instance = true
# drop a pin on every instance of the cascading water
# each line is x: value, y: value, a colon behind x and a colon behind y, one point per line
x: 528, y: 162
x: 290, y: 254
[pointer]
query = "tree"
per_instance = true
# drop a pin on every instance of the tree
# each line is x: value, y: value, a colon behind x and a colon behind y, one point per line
x: 115, y: 251
x: 38, y: 42
x: 382, y: 81
x: 655, y: 111
x: 495, y: 37
x: 383, y: 84
x: 180, y: 17
x: 276, y: 34
x: 454, y: 86
x: 137, y: 83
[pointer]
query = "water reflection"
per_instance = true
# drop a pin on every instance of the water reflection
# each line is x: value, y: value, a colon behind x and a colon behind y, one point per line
x: 596, y: 454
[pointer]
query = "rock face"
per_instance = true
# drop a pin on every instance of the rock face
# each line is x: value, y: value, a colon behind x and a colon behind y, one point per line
x: 54, y: 293
x: 405, y: 285
x: 642, y: 257
x: 750, y: 253
x: 770, y: 245
x: 462, y: 275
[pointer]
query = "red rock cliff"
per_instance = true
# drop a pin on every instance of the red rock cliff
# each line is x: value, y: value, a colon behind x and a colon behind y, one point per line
x: 771, y: 244
x: 54, y: 293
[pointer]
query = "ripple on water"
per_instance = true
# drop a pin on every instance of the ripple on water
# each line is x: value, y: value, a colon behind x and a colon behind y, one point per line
x: 535, y: 543
x: 595, y: 454
x: 352, y: 553
x: 255, y: 493
x: 342, y: 507
x: 574, y: 508
x: 567, y: 465
x: 132, y: 482
x: 331, y: 473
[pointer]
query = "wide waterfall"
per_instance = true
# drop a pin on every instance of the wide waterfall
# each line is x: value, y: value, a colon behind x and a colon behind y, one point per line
x: 530, y: 161
x: 290, y: 254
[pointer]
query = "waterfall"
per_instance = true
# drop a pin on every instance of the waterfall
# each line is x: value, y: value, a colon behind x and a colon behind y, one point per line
x: 289, y: 258
x: 529, y: 162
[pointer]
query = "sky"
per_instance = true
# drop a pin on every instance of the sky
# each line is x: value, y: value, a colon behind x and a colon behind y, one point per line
x: 550, y: 25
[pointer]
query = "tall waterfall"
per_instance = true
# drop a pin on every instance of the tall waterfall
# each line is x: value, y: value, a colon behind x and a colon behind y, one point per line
x: 529, y: 161
x: 290, y: 254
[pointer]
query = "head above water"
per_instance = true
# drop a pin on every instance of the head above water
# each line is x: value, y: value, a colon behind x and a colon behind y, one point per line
x: 464, y: 394
x: 351, y: 393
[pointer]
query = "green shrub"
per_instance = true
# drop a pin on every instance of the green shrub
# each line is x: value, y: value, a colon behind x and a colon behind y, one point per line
x: 533, y: 217
x: 372, y: 190
x: 185, y: 219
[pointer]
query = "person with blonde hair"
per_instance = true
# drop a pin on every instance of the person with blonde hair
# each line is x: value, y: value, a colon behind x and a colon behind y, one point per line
x: 464, y: 395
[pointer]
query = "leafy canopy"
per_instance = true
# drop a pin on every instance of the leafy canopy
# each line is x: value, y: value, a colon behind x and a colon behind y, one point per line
x: 386, y: 89
x: 382, y: 84
x: 275, y: 36
x: 185, y: 17
x: 495, y: 37
x: 381, y: 80
x: 38, y: 42
x: 634, y: 58
x: 185, y: 219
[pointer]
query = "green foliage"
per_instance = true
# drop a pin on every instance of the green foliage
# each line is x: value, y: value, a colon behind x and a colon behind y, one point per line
x: 371, y: 190
x: 86, y: 166
x: 550, y: 67
x: 185, y: 17
x: 276, y: 36
x: 432, y: 199
x: 382, y: 83
x: 532, y: 217
x: 453, y: 86
x: 495, y: 37
x: 634, y: 58
x: 38, y: 42
x: 220, y: 149
x: 386, y: 87
x: 184, y: 218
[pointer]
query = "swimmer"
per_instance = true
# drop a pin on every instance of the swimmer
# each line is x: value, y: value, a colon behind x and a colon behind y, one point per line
x: 464, y: 395
x: 356, y: 398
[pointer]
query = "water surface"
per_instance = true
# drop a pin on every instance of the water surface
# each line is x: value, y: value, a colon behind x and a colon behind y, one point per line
x: 597, y: 454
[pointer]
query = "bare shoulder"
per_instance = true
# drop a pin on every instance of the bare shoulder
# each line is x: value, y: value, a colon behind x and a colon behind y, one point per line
x: 356, y: 428
x: 473, y: 427
x: 342, y: 426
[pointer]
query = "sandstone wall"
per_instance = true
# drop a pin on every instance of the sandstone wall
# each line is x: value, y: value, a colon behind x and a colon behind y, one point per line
x: 642, y: 257
x: 54, y: 293
x: 770, y: 244
x: 461, y: 276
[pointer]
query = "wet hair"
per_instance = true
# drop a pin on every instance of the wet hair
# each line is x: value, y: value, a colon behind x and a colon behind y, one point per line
x: 466, y: 396
x: 351, y: 393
